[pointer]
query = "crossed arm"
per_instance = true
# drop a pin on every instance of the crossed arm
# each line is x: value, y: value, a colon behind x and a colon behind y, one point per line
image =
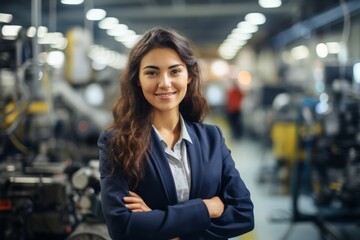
x: 136, y: 204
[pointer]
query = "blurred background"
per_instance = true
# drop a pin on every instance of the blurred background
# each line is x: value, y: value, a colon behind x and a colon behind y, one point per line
x: 282, y: 79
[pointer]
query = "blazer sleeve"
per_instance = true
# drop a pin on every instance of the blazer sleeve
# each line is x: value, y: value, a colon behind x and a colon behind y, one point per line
x: 237, y: 217
x: 180, y: 219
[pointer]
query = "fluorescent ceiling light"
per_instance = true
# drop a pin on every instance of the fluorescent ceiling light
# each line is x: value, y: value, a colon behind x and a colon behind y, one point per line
x: 10, y: 30
x: 239, y: 35
x: 6, y: 18
x: 255, y: 18
x: 108, y: 23
x: 246, y: 27
x: 270, y: 3
x: 95, y: 14
x: 31, y: 31
x: 117, y: 30
x: 72, y: 2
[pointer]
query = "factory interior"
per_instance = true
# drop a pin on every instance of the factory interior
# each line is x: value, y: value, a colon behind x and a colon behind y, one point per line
x: 296, y: 143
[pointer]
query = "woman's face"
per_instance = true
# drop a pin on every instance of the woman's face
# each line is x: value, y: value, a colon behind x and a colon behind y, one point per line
x: 163, y: 79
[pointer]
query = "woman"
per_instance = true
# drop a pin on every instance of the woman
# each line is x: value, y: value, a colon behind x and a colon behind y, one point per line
x: 164, y: 174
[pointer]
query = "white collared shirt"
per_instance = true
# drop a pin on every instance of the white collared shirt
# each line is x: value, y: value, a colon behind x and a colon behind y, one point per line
x: 179, y: 163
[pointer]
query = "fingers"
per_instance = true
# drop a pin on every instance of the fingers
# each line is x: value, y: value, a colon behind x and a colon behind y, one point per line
x: 135, y: 203
x: 137, y: 207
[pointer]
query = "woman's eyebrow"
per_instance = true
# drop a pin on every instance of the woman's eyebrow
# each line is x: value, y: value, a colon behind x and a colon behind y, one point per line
x: 157, y: 68
x: 175, y: 65
x: 150, y: 66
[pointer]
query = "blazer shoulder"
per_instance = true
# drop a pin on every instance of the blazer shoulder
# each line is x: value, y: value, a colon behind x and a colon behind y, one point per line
x: 204, y: 129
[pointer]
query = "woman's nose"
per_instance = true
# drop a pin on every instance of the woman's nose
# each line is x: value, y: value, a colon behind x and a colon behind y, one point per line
x: 165, y: 81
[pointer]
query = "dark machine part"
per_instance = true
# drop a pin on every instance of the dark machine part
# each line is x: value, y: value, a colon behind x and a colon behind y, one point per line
x: 35, y: 207
x: 13, y: 53
x: 86, y: 187
x: 38, y: 158
x: 45, y: 200
x: 336, y: 161
x: 332, y: 168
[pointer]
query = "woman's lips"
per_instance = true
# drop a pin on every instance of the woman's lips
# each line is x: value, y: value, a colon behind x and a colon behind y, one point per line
x: 165, y: 95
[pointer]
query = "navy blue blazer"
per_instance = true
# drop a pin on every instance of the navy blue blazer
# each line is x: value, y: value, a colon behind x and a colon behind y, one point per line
x: 213, y: 173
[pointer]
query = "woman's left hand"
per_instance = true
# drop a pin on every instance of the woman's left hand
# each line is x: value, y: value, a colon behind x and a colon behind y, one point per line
x: 135, y: 203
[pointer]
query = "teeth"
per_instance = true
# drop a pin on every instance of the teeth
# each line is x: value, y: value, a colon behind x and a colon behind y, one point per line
x: 164, y: 94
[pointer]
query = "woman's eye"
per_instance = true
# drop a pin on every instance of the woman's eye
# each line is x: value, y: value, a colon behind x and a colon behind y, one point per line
x: 151, y: 73
x: 176, y: 71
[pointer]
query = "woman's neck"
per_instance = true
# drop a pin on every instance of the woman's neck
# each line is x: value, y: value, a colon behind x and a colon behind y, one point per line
x: 169, y: 127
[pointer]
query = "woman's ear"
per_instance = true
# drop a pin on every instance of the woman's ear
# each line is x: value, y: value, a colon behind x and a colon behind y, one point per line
x: 189, y: 79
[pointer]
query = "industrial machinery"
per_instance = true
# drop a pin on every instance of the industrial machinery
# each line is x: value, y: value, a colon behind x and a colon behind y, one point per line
x: 330, y: 169
x: 48, y: 185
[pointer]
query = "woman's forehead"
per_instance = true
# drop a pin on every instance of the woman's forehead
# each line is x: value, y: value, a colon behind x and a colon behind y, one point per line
x: 160, y: 57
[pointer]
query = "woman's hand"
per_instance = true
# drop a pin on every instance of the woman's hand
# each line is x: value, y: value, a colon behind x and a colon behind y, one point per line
x: 135, y: 203
x: 215, y: 206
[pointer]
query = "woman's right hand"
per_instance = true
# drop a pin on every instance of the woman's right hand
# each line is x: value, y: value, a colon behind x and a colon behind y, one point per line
x: 215, y: 206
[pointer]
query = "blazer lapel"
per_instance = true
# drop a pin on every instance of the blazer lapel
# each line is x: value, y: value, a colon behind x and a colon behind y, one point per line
x: 158, y: 158
x: 195, y: 161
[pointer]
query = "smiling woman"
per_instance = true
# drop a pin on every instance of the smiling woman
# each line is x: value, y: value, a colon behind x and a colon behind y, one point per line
x: 164, y: 173
x: 163, y: 80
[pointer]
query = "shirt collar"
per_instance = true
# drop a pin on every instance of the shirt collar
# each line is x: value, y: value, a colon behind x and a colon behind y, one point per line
x: 184, y: 134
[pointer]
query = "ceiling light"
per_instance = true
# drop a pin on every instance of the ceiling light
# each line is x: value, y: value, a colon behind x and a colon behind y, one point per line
x: 270, y: 3
x: 108, y: 23
x: 228, y: 52
x: 255, y: 18
x: 95, y: 14
x: 6, y: 18
x: 42, y: 31
x: 31, y: 31
x: 240, y: 36
x: 117, y: 30
x: 10, y: 30
x: 72, y: 2
x: 246, y: 27
x: 128, y: 38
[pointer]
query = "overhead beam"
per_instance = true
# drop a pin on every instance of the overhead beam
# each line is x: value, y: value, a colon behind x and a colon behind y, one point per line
x: 303, y: 29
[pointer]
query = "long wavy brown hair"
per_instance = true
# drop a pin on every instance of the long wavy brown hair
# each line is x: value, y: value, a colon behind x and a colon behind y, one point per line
x: 133, y: 114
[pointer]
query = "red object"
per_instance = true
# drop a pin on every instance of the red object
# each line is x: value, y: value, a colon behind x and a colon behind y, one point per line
x: 5, y: 205
x: 235, y: 96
